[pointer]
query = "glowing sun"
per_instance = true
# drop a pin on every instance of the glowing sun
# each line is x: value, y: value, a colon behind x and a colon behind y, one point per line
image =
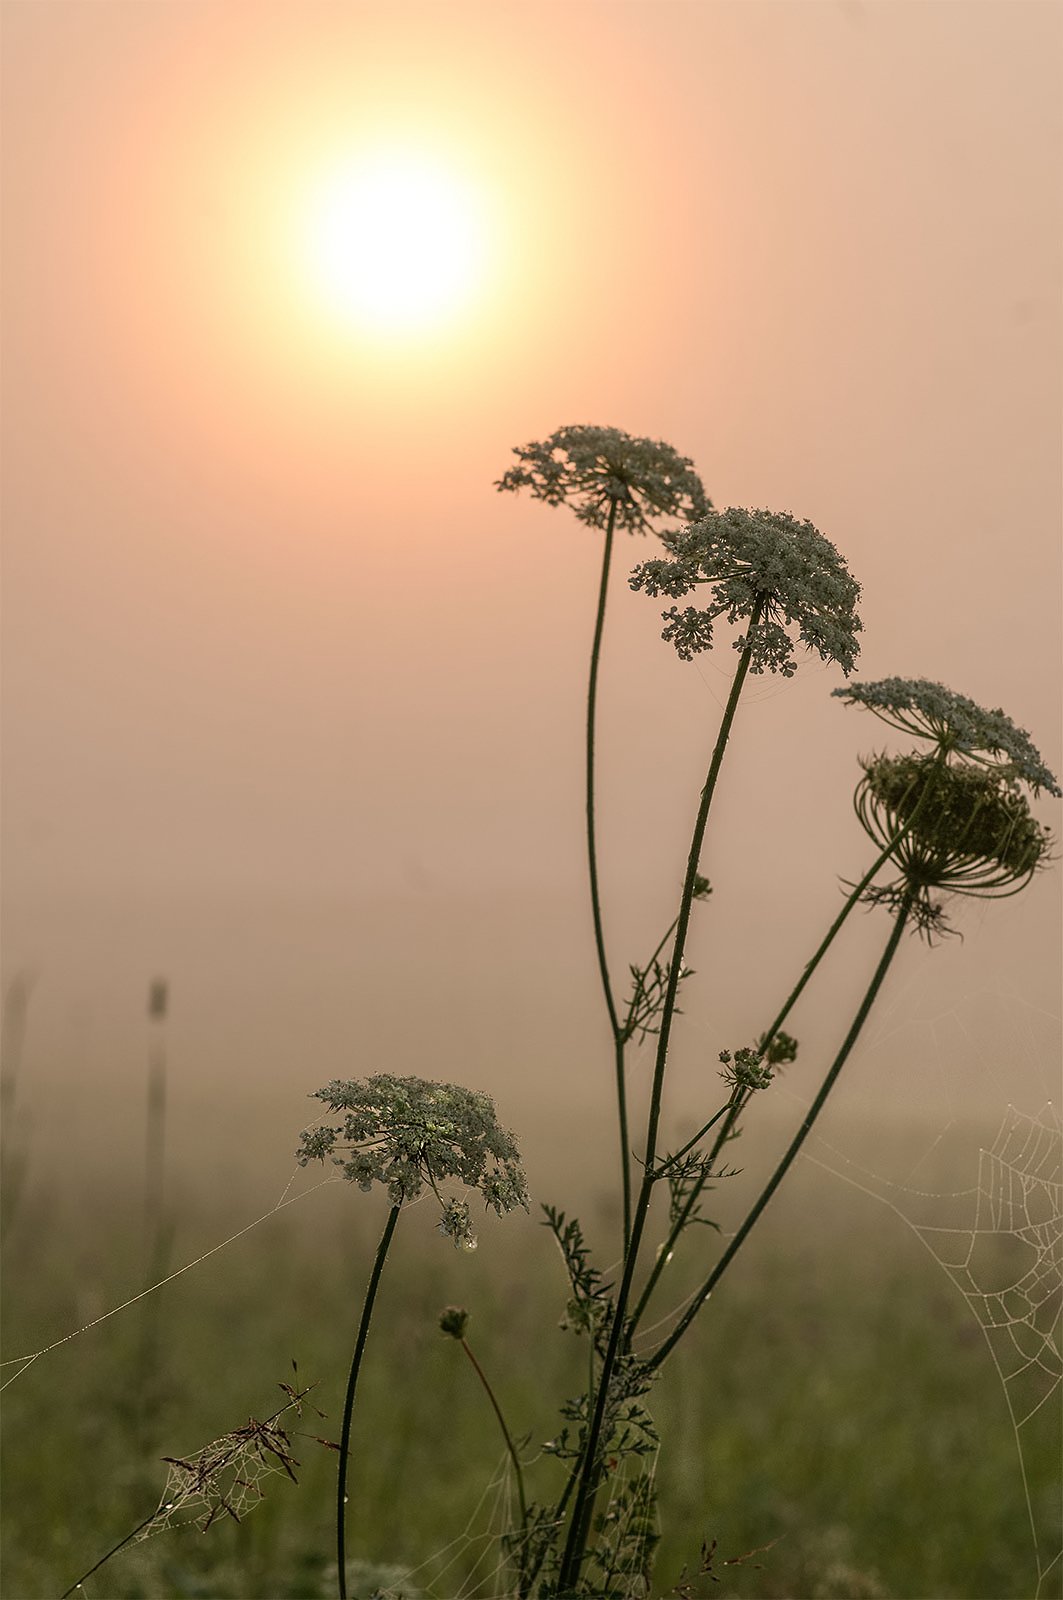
x: 395, y: 242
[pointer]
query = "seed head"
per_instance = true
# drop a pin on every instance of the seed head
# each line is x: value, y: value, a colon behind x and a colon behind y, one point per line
x: 954, y: 723
x: 406, y: 1133
x: 969, y: 832
x: 595, y: 470
x: 758, y: 559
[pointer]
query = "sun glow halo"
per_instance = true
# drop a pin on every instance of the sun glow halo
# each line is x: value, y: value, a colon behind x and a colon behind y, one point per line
x: 395, y: 242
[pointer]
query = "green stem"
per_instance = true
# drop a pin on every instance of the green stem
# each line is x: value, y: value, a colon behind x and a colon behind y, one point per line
x: 743, y: 1098
x: 348, y: 1404
x: 662, y: 1353
x: 592, y: 705
x: 589, y: 1473
x: 835, y: 927
x: 730, y: 1111
x: 510, y: 1446
x: 662, y: 1170
x: 592, y: 862
x: 113, y: 1551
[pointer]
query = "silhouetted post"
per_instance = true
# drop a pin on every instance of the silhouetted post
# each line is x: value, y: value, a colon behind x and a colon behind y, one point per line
x: 155, y: 1141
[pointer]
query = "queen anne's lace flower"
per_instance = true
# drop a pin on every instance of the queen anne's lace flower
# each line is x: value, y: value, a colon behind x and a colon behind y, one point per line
x: 930, y: 711
x: 963, y: 830
x: 764, y: 561
x: 597, y: 471
x: 408, y: 1132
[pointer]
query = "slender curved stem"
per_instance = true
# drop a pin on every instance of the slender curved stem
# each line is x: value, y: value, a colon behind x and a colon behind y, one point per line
x: 592, y: 707
x: 510, y: 1446
x: 742, y: 1099
x: 348, y: 1404
x: 630, y: 1025
x: 665, y: 1349
x: 730, y: 1111
x: 854, y: 899
x: 682, y: 921
x: 673, y: 1160
x: 619, y: 1039
x: 572, y: 1559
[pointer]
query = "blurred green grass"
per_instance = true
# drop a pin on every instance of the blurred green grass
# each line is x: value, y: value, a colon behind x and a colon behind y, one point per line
x: 835, y: 1402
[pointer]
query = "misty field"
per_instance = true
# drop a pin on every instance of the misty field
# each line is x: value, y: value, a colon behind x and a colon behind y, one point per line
x: 589, y: 1135
x: 836, y: 1411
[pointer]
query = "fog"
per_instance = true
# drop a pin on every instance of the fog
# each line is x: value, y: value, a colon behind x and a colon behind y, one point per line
x: 293, y: 698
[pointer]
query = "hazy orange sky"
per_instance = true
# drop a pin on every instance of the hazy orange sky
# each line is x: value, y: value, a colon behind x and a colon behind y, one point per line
x: 293, y: 698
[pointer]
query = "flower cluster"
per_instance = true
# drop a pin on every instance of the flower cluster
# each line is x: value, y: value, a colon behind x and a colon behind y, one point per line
x: 602, y: 472
x: 781, y: 1048
x: 762, y: 564
x: 955, y: 723
x: 406, y: 1133
x: 453, y: 1320
x: 746, y: 1069
x: 962, y: 830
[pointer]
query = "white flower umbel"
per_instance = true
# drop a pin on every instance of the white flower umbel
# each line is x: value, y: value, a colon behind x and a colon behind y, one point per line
x: 604, y: 474
x: 406, y: 1133
x: 609, y: 480
x: 955, y: 724
x: 762, y: 564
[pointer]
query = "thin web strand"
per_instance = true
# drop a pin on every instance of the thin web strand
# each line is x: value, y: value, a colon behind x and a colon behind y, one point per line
x: 26, y: 1361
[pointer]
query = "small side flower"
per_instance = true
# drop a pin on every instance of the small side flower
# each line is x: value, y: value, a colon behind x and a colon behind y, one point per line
x: 453, y: 1320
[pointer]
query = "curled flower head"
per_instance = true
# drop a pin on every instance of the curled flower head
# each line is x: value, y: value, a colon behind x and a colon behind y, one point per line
x: 408, y: 1132
x: 930, y: 711
x: 968, y: 831
x: 764, y: 564
x: 601, y: 472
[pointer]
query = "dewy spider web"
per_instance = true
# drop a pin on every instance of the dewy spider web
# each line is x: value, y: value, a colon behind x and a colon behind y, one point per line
x: 1007, y: 1262
x: 478, y: 1561
x: 220, y: 1480
x: 223, y: 1478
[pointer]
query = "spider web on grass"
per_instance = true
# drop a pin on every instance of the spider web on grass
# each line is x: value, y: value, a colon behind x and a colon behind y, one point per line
x: 224, y: 1478
x: 480, y: 1561
x: 1006, y: 1260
